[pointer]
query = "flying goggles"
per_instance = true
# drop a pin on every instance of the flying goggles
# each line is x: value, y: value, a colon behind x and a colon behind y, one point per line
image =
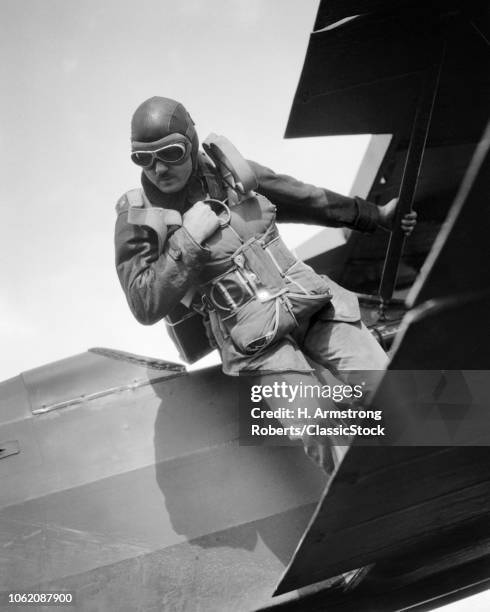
x: 173, y: 153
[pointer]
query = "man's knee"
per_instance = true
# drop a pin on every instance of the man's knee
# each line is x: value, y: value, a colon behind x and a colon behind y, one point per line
x: 339, y: 346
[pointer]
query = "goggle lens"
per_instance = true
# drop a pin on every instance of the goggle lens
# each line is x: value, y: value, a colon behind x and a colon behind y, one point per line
x: 142, y: 159
x: 172, y: 153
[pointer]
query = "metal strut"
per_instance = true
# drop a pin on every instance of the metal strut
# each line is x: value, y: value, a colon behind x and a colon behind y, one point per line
x: 411, y: 172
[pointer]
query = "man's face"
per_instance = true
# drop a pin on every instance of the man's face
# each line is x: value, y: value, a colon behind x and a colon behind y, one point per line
x: 169, y: 178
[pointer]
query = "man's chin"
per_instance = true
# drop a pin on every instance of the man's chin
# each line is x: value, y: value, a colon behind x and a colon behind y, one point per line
x: 165, y: 187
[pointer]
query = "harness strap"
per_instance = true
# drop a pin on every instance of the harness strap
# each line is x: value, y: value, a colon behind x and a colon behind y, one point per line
x: 141, y: 212
x: 213, y: 186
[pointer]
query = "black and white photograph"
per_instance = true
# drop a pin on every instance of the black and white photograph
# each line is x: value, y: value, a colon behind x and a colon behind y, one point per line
x: 245, y: 309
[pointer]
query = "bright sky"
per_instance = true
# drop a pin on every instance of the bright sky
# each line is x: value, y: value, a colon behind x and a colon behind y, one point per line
x: 73, y: 73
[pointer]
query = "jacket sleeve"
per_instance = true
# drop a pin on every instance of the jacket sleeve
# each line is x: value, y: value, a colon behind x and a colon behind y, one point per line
x: 299, y: 202
x: 154, y: 283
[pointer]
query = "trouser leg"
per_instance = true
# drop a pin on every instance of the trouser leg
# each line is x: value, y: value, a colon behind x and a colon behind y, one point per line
x: 348, y: 350
x: 353, y: 355
x: 324, y: 451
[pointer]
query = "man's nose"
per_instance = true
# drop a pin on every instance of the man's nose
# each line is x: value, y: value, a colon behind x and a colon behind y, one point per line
x: 160, y: 167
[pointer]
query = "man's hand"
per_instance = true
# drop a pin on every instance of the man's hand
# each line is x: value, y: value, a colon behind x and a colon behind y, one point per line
x: 200, y: 221
x: 387, y: 217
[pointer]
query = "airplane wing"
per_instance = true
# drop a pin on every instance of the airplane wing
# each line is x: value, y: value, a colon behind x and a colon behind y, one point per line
x: 362, y: 75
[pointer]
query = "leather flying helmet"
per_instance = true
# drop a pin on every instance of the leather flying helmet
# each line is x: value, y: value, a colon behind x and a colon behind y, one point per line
x: 158, y: 118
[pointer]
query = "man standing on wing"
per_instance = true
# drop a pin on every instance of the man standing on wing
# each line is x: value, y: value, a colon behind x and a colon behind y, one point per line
x: 265, y: 310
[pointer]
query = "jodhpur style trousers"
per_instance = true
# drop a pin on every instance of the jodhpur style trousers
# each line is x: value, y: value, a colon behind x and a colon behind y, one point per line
x: 353, y: 356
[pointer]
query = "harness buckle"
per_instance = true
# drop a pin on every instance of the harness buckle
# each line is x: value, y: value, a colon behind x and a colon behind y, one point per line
x: 215, y: 206
x: 206, y: 303
x: 239, y: 260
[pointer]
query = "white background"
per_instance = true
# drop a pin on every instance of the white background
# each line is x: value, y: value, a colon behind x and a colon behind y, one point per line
x: 72, y: 74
